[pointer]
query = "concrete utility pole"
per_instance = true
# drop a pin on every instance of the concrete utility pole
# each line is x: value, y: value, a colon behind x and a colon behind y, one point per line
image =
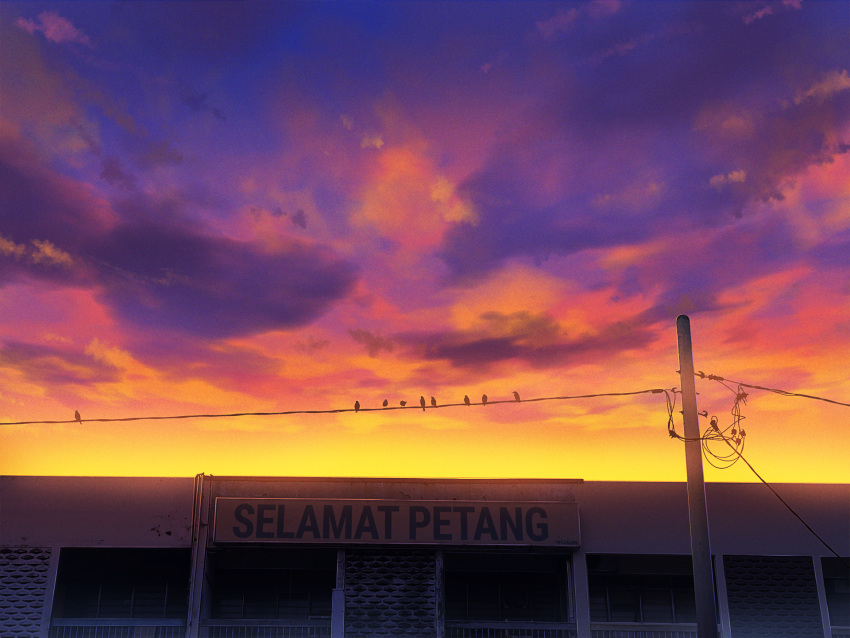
x: 697, y: 514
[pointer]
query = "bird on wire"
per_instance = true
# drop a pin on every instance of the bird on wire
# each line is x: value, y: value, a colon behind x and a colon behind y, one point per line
x: 483, y: 399
x: 516, y: 396
x: 466, y: 399
x: 402, y: 403
x: 385, y: 403
x: 357, y: 406
x: 77, y: 417
x: 422, y: 403
x: 433, y: 402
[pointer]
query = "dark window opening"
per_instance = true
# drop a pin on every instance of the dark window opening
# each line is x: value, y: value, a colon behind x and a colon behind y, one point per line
x: 499, y: 588
x: 641, y: 589
x: 122, y: 583
x: 272, y: 584
x: 836, y: 583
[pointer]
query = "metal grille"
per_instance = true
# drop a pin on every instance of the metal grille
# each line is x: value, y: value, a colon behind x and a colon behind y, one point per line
x: 23, y: 584
x: 640, y: 633
x: 268, y: 632
x: 117, y: 631
x: 772, y: 596
x: 507, y: 632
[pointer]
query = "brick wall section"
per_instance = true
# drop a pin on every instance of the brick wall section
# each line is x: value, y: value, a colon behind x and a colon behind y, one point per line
x: 390, y: 593
x: 23, y: 586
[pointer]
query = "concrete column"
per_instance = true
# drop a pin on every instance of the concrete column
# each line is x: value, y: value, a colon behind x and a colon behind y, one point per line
x: 49, y: 592
x: 200, y: 536
x: 722, y: 597
x: 824, y: 609
x: 581, y: 594
x: 338, y: 599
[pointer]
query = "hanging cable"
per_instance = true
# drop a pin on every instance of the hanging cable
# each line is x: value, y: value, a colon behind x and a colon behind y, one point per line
x: 790, y: 509
x: 785, y: 393
x: 357, y: 408
x: 735, y: 441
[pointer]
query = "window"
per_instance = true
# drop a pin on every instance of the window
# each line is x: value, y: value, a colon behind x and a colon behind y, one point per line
x: 499, y: 588
x: 836, y: 581
x: 641, y: 589
x: 122, y: 583
x: 273, y: 584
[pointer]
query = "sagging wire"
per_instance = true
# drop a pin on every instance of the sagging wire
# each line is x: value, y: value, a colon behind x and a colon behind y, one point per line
x: 356, y: 408
x: 784, y: 393
x: 734, y: 437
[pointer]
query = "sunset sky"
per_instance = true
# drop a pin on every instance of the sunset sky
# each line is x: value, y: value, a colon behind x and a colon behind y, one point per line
x: 217, y: 207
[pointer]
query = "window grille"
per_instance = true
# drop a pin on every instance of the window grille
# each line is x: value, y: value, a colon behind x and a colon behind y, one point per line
x: 500, y: 631
x: 836, y: 582
x: 267, y: 632
x: 273, y: 593
x: 641, y: 589
x: 106, y: 584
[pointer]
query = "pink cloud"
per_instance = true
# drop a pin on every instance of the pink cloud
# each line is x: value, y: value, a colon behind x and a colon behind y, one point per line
x: 54, y: 27
x: 565, y: 20
x: 559, y: 23
x: 758, y: 15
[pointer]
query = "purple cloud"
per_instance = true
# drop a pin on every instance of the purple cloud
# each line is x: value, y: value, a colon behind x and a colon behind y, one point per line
x: 115, y: 174
x: 374, y: 343
x: 54, y: 27
x: 53, y: 365
x: 171, y: 277
x: 536, y: 340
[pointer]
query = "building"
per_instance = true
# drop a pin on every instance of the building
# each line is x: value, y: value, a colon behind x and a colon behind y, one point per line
x: 239, y: 557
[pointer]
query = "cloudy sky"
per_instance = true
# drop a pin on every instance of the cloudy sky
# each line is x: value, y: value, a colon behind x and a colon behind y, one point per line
x: 218, y: 207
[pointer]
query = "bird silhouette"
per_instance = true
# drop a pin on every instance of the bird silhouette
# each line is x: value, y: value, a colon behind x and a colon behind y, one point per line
x: 422, y: 403
x: 516, y: 396
x: 483, y: 399
x: 385, y: 403
x: 357, y: 406
x: 402, y: 403
x: 466, y: 399
x: 77, y: 417
x: 433, y: 402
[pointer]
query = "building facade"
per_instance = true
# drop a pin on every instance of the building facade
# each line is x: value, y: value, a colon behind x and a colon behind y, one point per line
x: 248, y: 557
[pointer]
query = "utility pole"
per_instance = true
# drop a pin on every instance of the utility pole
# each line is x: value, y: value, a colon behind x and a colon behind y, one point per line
x: 697, y: 514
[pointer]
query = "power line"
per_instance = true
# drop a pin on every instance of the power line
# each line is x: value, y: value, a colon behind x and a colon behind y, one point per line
x: 738, y: 436
x: 337, y: 410
x: 790, y: 509
x: 785, y: 393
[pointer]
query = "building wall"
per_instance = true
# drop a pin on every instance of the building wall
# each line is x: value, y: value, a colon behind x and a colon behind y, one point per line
x: 395, y: 591
x: 40, y: 511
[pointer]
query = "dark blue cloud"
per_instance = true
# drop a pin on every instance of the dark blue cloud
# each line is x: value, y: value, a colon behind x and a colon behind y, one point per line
x: 36, y: 203
x: 55, y: 365
x: 536, y: 340
x: 153, y: 269
x: 171, y: 277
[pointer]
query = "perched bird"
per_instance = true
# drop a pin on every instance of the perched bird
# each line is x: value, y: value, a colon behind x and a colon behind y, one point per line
x: 516, y: 396
x: 357, y: 406
x: 433, y: 402
x: 466, y: 399
x: 77, y: 417
x: 402, y: 403
x: 483, y: 399
x: 422, y: 403
x: 385, y: 403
